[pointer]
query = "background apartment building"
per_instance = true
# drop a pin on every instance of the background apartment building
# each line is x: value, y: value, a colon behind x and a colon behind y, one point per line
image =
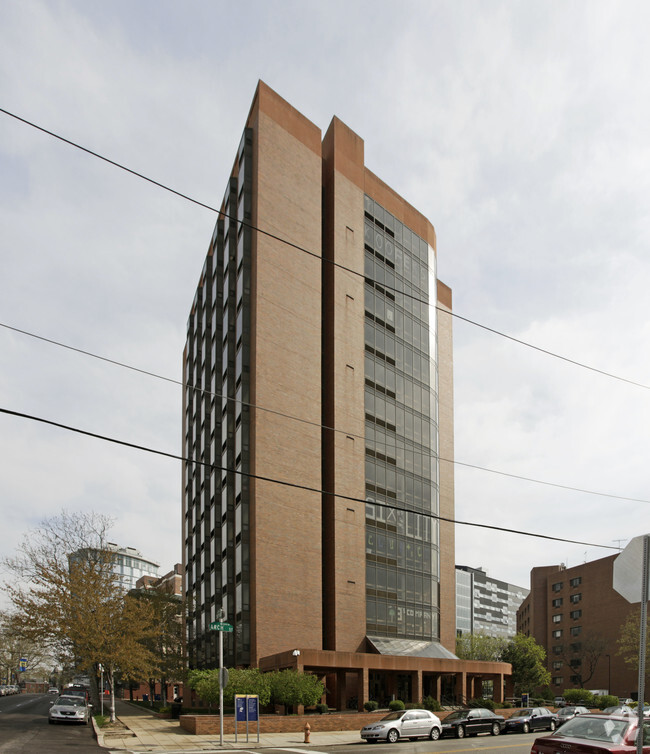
x: 576, y: 615
x: 318, y: 398
x: 486, y: 605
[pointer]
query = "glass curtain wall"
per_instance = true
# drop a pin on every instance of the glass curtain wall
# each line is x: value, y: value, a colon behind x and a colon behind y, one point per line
x: 402, y: 574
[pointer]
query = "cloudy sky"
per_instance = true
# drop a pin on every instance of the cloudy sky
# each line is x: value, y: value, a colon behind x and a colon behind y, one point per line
x: 520, y: 129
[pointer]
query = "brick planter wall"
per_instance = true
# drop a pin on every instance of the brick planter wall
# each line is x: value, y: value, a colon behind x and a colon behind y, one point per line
x: 209, y: 724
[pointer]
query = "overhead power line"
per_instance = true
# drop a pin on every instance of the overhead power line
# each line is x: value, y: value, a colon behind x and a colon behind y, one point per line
x: 294, y: 485
x: 211, y: 208
x: 315, y: 424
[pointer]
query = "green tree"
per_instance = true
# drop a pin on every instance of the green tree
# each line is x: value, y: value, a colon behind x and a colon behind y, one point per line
x: 240, y: 681
x: 66, y: 596
x: 291, y: 688
x: 527, y: 658
x: 166, y: 642
x: 480, y: 646
x: 629, y: 641
x: 579, y: 696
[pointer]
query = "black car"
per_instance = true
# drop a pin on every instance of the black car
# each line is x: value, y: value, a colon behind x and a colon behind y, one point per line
x: 469, y: 722
x: 531, y: 718
x: 569, y: 712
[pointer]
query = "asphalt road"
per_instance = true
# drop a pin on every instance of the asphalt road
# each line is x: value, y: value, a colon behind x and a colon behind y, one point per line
x: 24, y: 729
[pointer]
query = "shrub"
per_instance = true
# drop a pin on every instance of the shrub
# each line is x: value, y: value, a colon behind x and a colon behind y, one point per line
x: 433, y: 705
x: 482, y: 702
x: 322, y: 708
x: 395, y: 705
x: 371, y: 705
x: 606, y: 700
x: 579, y: 696
x: 413, y: 705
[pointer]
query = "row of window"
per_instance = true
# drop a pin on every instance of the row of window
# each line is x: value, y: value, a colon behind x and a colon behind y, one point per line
x: 385, y: 221
x: 413, y: 363
x: 574, y: 615
x: 382, y: 581
x: 385, y: 617
x: 574, y: 582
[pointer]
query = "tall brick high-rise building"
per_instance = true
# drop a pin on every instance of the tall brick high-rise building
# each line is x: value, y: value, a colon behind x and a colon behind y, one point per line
x: 317, y: 403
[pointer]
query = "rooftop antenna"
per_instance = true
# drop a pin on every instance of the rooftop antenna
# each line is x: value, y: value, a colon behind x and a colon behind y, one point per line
x: 619, y: 543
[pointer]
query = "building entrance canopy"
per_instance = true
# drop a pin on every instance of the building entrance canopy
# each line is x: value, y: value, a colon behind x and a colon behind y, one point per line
x: 410, y: 647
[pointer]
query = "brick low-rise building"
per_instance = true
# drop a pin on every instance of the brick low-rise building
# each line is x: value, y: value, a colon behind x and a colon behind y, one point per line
x: 576, y: 615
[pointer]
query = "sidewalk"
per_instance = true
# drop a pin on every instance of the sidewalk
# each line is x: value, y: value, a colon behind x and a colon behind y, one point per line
x: 147, y: 733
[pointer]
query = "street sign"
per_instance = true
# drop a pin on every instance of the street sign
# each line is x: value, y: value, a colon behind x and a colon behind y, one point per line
x: 22, y: 665
x: 218, y: 626
x: 628, y: 571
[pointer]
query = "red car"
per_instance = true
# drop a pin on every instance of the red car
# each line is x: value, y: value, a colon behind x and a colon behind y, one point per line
x: 594, y: 734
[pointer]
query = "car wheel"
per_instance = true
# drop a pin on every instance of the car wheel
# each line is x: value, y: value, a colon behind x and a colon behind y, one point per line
x: 460, y: 731
x: 496, y: 729
x: 551, y: 727
x: 525, y: 728
x: 393, y: 736
x: 434, y: 735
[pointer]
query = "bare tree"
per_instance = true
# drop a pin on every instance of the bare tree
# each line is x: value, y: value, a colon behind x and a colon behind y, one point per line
x: 582, y: 657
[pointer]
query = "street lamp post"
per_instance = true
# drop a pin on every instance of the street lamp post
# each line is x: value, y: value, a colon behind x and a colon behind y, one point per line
x: 609, y: 674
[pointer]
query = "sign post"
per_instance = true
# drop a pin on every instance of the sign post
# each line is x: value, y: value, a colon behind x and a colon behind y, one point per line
x: 220, y: 626
x: 631, y: 581
x: 247, y: 709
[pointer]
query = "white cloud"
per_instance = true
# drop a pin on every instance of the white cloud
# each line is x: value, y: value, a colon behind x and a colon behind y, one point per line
x: 520, y: 130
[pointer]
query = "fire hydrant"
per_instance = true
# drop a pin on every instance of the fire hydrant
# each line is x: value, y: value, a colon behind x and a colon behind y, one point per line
x: 307, y: 732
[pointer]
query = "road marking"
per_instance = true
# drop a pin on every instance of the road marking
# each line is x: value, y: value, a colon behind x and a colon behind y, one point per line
x: 300, y: 751
x: 500, y: 747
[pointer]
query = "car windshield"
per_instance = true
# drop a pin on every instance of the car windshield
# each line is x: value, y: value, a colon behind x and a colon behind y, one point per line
x: 524, y: 713
x: 71, y: 701
x: 458, y: 715
x: 394, y: 715
x: 594, y: 728
x: 567, y: 712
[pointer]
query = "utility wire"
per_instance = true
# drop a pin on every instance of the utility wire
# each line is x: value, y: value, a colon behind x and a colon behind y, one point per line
x: 294, y: 485
x: 315, y: 424
x: 316, y: 255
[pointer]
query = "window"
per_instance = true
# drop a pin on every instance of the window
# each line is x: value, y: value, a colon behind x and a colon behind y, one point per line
x: 575, y: 598
x: 557, y: 665
x: 558, y: 649
x: 557, y: 618
x: 575, y: 614
x: 557, y: 602
x: 558, y: 680
x: 557, y: 586
x: 576, y: 630
x: 576, y: 582
x: 557, y: 633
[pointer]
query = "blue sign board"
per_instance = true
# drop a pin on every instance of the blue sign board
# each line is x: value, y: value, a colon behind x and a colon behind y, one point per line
x: 253, y: 708
x: 240, y: 708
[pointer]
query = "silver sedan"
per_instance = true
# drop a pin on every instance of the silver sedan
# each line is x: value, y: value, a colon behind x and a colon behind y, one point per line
x: 412, y: 723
